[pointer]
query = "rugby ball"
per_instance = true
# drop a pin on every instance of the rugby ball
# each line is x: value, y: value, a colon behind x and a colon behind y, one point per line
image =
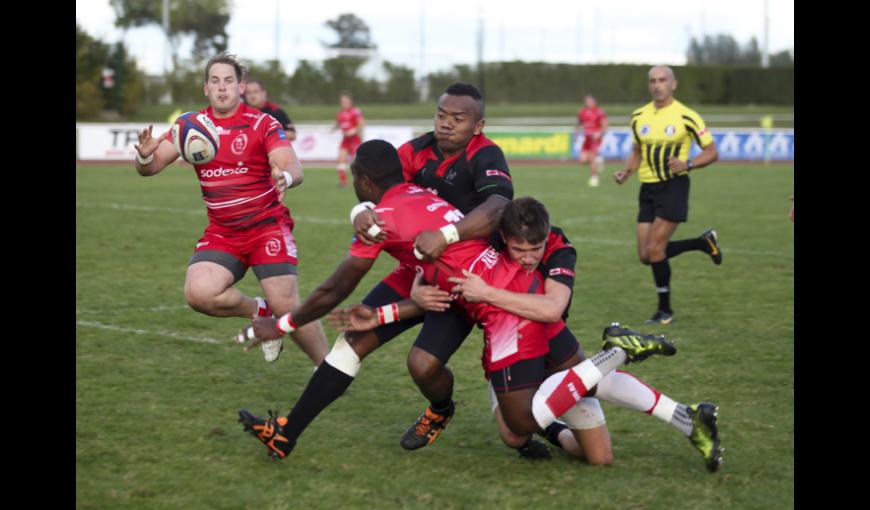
x: 195, y: 137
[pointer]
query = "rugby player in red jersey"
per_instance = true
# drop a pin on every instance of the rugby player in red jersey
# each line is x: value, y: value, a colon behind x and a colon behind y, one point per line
x: 350, y: 121
x: 242, y: 188
x: 406, y: 210
x: 593, y: 120
x: 526, y: 236
x: 465, y: 168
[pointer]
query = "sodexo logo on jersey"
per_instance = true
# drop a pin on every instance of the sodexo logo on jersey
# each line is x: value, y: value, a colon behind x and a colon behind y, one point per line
x: 221, y: 171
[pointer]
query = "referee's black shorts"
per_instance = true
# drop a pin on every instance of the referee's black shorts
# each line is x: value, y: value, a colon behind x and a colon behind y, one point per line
x: 668, y: 200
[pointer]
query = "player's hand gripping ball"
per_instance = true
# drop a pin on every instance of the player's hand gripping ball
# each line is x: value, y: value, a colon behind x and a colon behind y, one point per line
x: 195, y: 138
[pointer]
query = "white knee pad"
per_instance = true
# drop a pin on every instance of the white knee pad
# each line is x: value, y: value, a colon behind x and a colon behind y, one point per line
x: 343, y: 357
x: 586, y: 414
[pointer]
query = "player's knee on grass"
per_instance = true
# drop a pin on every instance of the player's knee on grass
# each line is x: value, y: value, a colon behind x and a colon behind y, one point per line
x: 509, y: 438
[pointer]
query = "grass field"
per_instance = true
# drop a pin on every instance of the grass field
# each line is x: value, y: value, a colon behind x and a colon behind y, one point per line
x: 158, y: 385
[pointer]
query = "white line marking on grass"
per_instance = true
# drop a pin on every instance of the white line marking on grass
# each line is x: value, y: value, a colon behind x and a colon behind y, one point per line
x: 129, y: 308
x: 169, y: 334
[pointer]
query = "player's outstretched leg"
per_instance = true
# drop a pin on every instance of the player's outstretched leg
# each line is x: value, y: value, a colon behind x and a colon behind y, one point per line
x: 269, y: 431
x: 637, y: 346
x: 427, y: 428
x: 705, y: 433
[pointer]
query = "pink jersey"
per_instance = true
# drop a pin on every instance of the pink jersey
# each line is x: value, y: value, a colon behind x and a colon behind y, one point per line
x: 348, y: 119
x: 592, y: 119
x: 407, y: 210
x: 237, y: 185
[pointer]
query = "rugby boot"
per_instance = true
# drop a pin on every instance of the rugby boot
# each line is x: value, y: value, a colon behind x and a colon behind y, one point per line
x: 709, y: 236
x: 534, y: 449
x: 705, y: 434
x: 269, y: 431
x: 427, y: 428
x: 660, y: 317
x: 271, y: 348
x: 637, y: 346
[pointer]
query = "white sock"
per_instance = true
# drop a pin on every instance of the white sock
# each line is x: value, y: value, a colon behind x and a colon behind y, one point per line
x: 626, y: 390
x: 562, y: 390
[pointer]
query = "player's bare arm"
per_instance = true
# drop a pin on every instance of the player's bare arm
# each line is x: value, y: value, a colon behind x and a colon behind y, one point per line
x: 361, y: 317
x: 631, y: 167
x: 707, y: 156
x: 322, y: 300
x: 480, y: 222
x: 157, y: 152
x: 547, y: 307
x: 284, y: 159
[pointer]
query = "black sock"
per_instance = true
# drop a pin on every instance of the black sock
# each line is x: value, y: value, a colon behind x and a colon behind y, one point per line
x: 662, y: 276
x: 552, y: 432
x: 324, y: 387
x: 442, y: 406
x: 674, y: 248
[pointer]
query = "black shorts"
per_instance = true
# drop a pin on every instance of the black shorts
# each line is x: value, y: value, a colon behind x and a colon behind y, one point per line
x: 442, y: 333
x: 667, y: 200
x: 562, y: 347
x: 238, y: 268
x: 529, y: 373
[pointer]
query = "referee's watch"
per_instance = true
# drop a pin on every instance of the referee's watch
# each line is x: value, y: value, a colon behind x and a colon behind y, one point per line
x: 689, y: 165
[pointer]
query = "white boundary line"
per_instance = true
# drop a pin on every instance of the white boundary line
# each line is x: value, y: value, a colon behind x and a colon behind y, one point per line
x: 135, y: 331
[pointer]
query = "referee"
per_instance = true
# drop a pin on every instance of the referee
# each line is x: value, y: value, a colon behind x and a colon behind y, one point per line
x: 663, y: 133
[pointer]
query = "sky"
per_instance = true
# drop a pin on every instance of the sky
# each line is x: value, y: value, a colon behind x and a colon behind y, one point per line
x: 430, y: 36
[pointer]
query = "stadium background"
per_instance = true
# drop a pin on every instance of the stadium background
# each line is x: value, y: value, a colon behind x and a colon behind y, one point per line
x: 157, y: 385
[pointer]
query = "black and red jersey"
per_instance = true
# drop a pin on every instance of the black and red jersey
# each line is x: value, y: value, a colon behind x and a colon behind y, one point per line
x: 465, y: 180
x: 280, y: 115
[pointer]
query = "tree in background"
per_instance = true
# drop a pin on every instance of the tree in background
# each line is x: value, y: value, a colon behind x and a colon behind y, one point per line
x: 92, y: 97
x: 352, y: 32
x: 204, y: 20
x: 723, y: 49
x: 91, y: 56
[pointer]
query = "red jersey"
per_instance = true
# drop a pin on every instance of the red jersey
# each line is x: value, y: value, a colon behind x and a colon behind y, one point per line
x: 348, y: 119
x: 406, y: 210
x: 592, y: 119
x: 237, y: 185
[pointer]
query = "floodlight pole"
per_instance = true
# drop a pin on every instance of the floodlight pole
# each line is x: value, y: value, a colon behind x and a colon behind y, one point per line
x: 765, y: 54
x: 166, y: 32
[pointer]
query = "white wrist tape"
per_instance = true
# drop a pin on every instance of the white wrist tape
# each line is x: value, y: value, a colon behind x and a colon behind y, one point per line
x: 286, y: 324
x: 418, y: 254
x: 388, y: 313
x: 145, y: 161
x: 450, y: 233
x: 360, y: 207
x: 288, y: 178
x: 374, y: 230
